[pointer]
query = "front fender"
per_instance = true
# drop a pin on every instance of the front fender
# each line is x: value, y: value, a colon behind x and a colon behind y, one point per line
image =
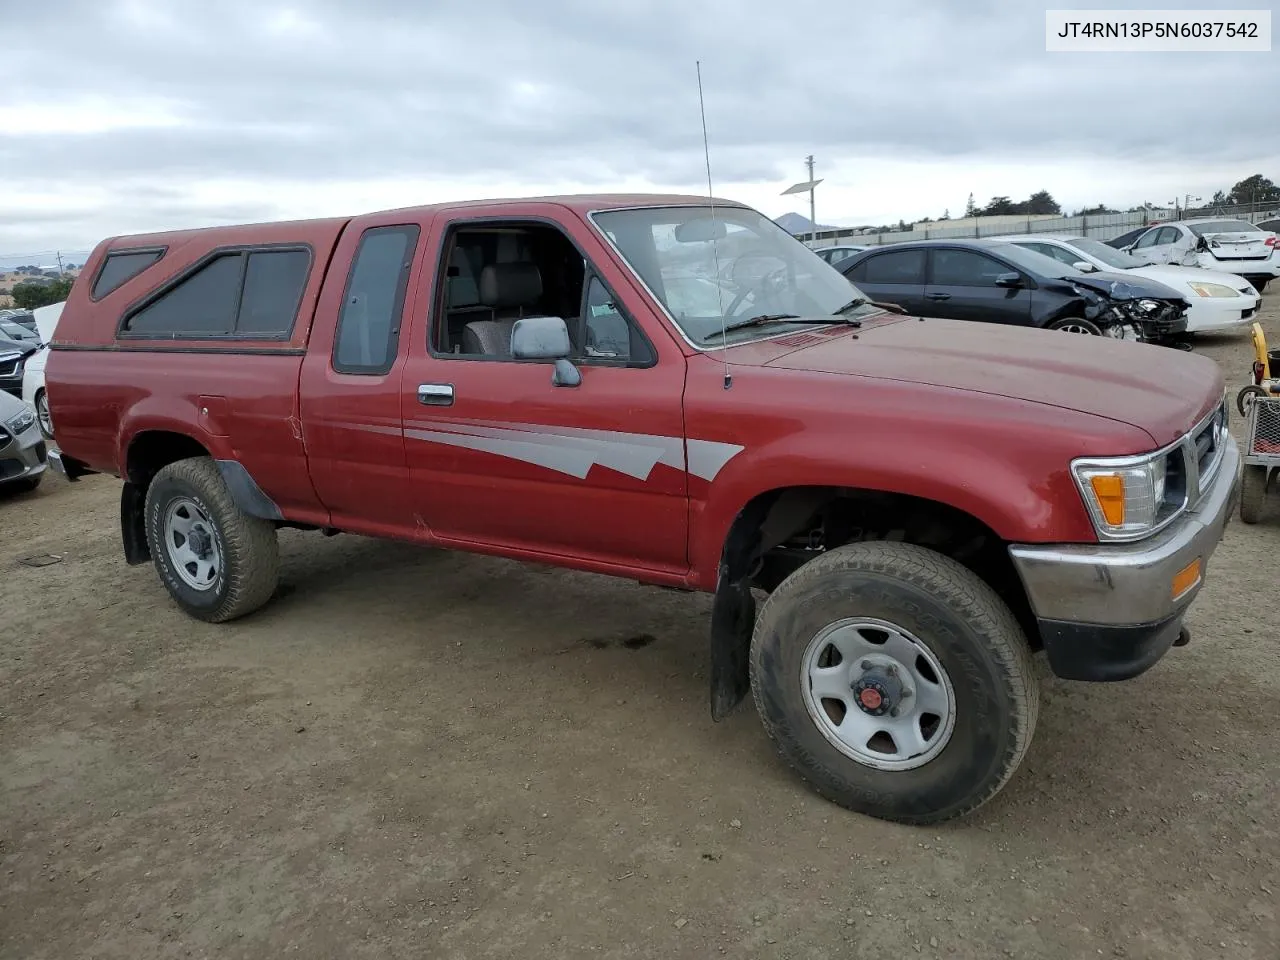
x: 1021, y: 501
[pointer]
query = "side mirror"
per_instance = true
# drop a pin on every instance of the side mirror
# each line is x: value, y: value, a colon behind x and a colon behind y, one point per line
x: 540, y: 338
x: 546, y: 338
x: 1084, y: 266
x: 1009, y: 280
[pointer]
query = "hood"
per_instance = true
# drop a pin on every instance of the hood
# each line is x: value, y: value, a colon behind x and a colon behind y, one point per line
x: 10, y: 406
x: 1170, y: 274
x: 47, y: 320
x: 1158, y: 390
x: 1124, y: 286
x: 21, y: 347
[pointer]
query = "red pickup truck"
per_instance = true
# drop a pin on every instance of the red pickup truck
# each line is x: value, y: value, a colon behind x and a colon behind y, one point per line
x: 670, y: 389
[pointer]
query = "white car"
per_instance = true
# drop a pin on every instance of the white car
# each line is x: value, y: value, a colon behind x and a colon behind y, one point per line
x: 843, y: 251
x: 33, y: 372
x: 1219, y: 301
x: 1232, y: 246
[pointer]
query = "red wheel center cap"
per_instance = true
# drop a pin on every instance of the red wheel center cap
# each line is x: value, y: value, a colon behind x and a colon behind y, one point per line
x: 870, y: 698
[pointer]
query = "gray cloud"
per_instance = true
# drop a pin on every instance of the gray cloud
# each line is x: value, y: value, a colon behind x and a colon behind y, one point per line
x: 585, y: 91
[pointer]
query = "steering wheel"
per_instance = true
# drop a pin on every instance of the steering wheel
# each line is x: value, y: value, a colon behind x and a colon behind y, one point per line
x: 761, y: 284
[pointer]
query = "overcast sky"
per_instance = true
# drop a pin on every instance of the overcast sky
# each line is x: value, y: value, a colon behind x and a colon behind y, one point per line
x: 119, y: 116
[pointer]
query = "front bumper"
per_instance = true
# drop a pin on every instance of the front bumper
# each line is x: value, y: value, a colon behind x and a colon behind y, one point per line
x: 1107, y: 611
x: 23, y: 456
x: 1225, y: 313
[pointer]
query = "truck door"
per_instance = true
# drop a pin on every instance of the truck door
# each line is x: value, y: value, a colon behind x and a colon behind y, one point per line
x: 350, y: 382
x: 500, y: 457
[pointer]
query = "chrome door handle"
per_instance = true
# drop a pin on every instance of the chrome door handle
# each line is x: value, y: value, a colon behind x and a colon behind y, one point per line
x: 435, y: 394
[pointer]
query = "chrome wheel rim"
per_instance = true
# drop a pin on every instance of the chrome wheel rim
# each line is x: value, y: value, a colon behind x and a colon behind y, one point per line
x: 1075, y: 328
x: 878, y: 694
x: 43, y: 416
x: 192, y: 544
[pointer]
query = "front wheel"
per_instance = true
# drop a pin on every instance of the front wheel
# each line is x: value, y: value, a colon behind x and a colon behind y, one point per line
x: 43, y: 417
x: 895, y: 681
x: 1076, y: 325
x: 216, y: 561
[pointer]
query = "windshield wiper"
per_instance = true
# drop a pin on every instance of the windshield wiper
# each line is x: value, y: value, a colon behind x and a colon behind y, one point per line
x: 781, y: 318
x: 853, y: 304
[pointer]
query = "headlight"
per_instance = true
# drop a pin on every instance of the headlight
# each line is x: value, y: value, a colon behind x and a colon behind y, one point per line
x: 1127, y: 497
x: 1213, y: 290
x: 21, y: 422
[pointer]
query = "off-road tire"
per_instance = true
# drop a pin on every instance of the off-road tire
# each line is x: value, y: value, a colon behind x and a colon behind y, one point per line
x: 1253, y: 492
x: 965, y: 625
x: 1089, y: 325
x: 249, y: 550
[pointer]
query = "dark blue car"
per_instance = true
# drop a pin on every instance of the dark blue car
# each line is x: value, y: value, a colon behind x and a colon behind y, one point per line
x: 996, y: 282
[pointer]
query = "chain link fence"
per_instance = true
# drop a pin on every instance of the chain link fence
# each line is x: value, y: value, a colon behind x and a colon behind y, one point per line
x: 1100, y: 226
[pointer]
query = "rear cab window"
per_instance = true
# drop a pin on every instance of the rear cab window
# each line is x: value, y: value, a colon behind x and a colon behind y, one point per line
x: 119, y: 267
x: 245, y: 293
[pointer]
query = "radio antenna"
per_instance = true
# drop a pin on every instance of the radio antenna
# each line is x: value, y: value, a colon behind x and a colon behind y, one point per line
x: 715, y: 249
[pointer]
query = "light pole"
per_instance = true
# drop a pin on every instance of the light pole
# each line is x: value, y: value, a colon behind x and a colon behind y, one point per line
x: 801, y: 188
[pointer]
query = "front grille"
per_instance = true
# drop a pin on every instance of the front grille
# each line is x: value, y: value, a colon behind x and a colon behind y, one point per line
x: 6, y: 438
x: 42, y: 451
x: 11, y: 468
x: 9, y: 367
x: 1202, y: 451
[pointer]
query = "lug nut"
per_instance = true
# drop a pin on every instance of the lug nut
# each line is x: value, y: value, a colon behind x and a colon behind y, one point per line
x: 865, y: 664
x: 891, y: 671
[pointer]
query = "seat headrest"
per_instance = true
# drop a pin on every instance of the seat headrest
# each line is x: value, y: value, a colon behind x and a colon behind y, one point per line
x: 510, y: 284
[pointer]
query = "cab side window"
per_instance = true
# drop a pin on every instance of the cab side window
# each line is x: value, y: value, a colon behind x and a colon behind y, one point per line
x: 495, y: 273
x: 372, y: 304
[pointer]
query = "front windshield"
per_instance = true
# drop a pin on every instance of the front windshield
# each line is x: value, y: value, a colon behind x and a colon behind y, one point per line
x: 1223, y: 226
x: 716, y: 268
x: 1107, y: 254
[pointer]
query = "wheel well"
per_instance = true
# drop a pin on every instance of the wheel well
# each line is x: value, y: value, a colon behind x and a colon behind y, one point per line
x: 779, y: 531
x: 153, y: 450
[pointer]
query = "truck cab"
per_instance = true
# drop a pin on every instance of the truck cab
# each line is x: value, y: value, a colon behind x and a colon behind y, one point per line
x: 674, y: 390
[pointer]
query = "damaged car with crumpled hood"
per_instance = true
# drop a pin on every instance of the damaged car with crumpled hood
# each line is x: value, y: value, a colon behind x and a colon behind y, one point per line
x: 999, y: 282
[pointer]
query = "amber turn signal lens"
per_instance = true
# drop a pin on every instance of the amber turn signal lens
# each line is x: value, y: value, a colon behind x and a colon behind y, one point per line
x: 1186, y: 578
x: 1109, y: 489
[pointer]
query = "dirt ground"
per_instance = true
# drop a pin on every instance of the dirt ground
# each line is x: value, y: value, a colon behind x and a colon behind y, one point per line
x: 416, y: 753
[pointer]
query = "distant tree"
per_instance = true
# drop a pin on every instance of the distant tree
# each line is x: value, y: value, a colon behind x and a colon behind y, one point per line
x: 1255, y: 189
x: 29, y: 296
x: 946, y: 214
x: 1220, y: 199
x: 1094, y: 211
x: 998, y: 206
x: 970, y: 208
x: 1042, y: 202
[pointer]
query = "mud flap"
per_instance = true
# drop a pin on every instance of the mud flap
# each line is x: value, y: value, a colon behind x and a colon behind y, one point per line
x: 733, y: 617
x: 133, y: 528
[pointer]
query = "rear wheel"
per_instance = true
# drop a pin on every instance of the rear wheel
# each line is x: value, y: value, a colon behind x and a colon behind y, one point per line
x: 895, y: 681
x: 1253, y: 492
x: 1076, y: 325
x: 216, y: 561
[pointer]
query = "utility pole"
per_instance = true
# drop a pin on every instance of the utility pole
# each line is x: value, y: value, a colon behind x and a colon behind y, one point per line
x: 808, y: 185
x: 813, y: 216
x: 60, y: 270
